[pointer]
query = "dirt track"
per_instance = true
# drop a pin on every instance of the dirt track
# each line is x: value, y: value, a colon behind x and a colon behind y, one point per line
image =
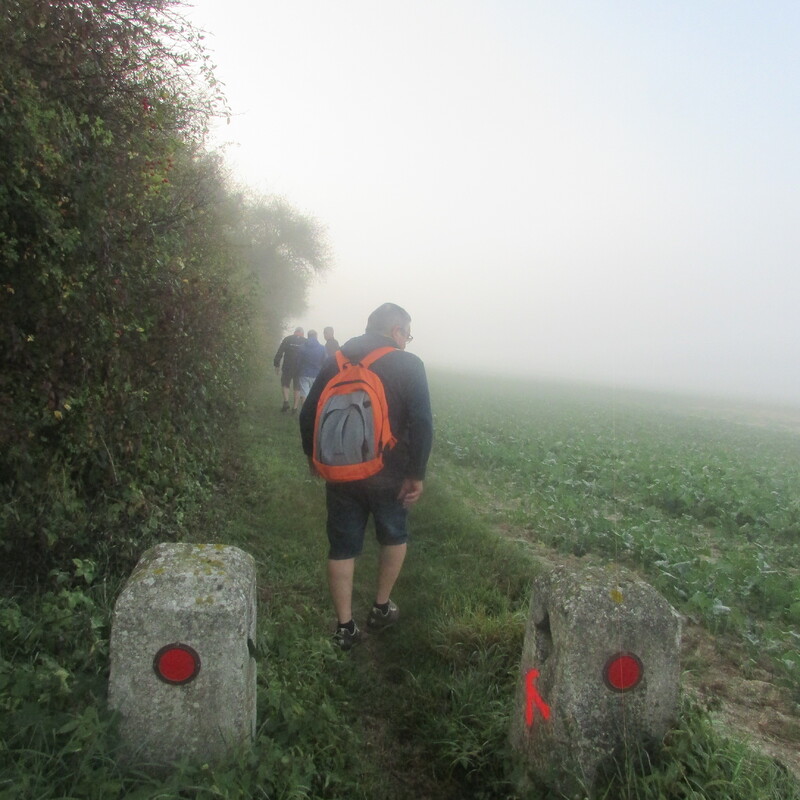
x: 750, y: 707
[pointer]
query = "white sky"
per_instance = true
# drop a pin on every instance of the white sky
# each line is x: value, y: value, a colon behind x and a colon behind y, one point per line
x: 596, y: 189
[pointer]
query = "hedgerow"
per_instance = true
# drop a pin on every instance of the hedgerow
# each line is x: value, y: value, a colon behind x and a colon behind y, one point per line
x: 131, y: 275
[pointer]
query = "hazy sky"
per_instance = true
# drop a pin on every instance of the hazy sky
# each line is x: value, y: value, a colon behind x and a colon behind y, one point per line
x: 591, y: 189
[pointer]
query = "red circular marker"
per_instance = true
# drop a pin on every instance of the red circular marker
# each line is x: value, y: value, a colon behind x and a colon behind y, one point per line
x: 176, y: 664
x: 623, y: 672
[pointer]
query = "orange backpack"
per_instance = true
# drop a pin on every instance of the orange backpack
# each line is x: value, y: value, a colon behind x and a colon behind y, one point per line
x: 351, y: 427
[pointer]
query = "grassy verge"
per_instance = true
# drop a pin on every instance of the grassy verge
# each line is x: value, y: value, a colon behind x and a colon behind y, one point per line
x: 421, y: 711
x: 425, y: 706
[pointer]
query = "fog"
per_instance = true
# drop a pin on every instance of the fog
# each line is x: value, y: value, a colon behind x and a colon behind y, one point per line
x: 596, y: 191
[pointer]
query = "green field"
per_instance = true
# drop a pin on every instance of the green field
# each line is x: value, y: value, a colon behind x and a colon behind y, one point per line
x: 698, y: 500
x: 703, y: 500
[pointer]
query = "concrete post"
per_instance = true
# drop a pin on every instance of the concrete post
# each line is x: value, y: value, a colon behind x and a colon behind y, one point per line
x: 183, y: 672
x: 600, y: 670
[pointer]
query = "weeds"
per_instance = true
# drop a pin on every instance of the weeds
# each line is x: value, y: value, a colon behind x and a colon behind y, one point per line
x: 695, y: 763
x: 421, y: 710
x: 704, y: 507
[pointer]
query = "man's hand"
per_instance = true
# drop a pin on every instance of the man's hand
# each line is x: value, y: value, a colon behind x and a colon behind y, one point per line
x: 410, y: 492
x: 312, y: 468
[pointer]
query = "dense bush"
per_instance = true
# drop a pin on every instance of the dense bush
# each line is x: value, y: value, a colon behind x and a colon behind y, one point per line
x: 130, y: 271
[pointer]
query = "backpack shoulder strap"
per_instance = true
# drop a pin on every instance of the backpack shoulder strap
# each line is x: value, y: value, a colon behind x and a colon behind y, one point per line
x: 341, y: 360
x: 372, y: 357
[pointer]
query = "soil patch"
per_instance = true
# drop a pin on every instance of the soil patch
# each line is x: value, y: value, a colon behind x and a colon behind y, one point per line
x: 750, y: 707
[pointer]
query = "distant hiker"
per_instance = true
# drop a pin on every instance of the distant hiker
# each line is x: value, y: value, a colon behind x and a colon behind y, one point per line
x: 311, y: 357
x: 289, y: 351
x: 389, y: 494
x: 331, y: 345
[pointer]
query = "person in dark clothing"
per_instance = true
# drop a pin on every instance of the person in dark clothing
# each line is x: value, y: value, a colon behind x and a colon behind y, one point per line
x: 331, y: 345
x: 389, y: 494
x: 289, y: 353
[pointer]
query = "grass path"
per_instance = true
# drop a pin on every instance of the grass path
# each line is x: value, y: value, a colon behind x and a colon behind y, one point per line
x: 422, y: 710
x: 419, y: 712
x: 387, y: 705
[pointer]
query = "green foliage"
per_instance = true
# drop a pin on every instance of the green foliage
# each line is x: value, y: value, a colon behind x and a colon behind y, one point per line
x: 695, y: 764
x: 285, y: 249
x: 706, y: 508
x: 304, y: 745
x: 129, y: 277
x: 134, y: 281
x: 53, y: 648
x: 421, y: 710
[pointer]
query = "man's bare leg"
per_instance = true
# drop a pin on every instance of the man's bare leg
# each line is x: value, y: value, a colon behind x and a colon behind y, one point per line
x: 340, y: 583
x: 390, y: 562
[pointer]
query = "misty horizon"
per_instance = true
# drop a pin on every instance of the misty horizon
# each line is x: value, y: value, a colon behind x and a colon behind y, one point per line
x: 603, y: 194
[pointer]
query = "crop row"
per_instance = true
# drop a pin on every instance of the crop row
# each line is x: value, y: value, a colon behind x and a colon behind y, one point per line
x: 706, y: 508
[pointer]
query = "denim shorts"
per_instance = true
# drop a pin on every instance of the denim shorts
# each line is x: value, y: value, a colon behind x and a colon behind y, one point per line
x: 349, y: 507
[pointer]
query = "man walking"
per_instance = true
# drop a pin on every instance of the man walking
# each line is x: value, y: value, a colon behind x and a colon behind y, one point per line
x: 331, y: 344
x: 389, y: 494
x: 289, y: 352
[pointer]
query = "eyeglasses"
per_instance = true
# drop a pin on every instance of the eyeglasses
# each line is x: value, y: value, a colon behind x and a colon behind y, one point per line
x: 407, y: 337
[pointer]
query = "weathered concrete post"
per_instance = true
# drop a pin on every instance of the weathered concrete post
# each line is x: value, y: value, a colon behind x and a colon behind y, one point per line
x: 600, y: 670
x: 183, y: 672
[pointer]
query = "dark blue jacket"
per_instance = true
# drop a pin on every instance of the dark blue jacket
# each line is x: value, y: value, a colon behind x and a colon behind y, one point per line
x: 311, y: 357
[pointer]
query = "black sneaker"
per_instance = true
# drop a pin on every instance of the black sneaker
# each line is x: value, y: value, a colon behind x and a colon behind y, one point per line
x: 284, y: 408
x: 378, y: 620
x: 343, y: 639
